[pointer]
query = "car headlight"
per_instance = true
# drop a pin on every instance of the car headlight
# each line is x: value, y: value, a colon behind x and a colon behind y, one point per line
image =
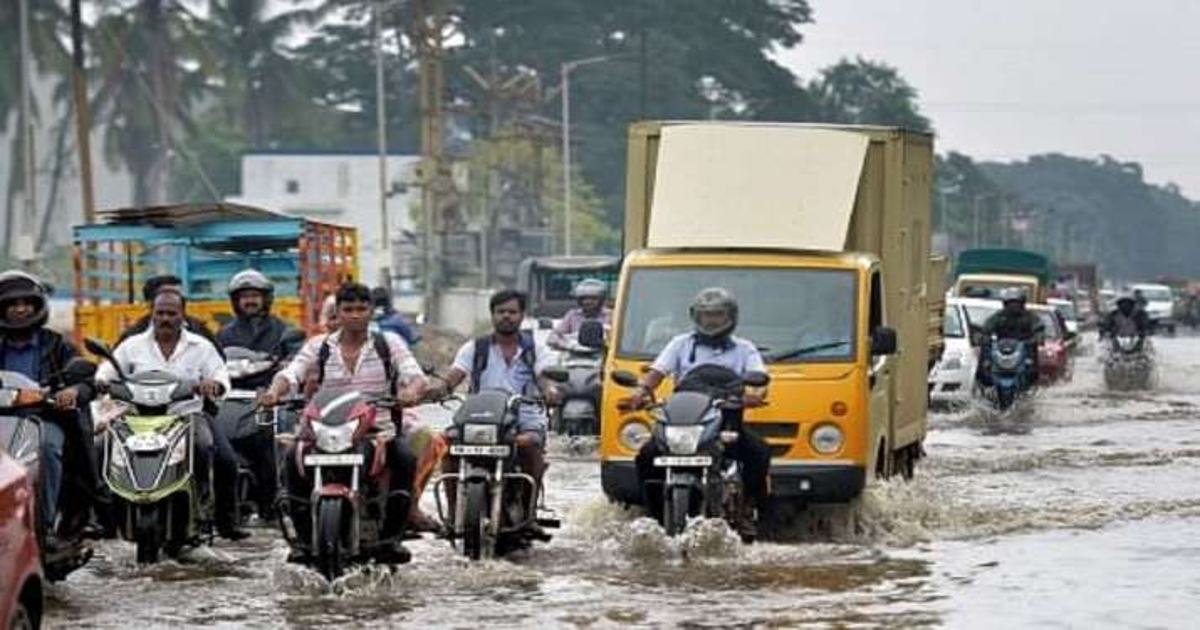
x: 479, y: 434
x: 952, y: 363
x: 151, y: 395
x: 826, y: 439
x: 179, y: 452
x: 683, y: 440
x: 337, y: 438
x: 634, y: 434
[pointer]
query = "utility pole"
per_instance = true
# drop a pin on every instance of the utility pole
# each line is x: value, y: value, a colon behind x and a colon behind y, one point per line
x: 567, y: 68
x: 29, y: 157
x: 385, y: 245
x: 83, y: 124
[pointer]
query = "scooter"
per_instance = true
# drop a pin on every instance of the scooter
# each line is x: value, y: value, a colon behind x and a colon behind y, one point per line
x: 1011, y: 369
x: 21, y: 401
x: 350, y: 494
x: 583, y: 357
x: 493, y: 504
x: 1129, y: 363
x: 148, y: 461
x: 690, y: 432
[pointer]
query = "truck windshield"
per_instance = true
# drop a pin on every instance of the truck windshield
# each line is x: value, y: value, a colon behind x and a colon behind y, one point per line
x: 792, y: 315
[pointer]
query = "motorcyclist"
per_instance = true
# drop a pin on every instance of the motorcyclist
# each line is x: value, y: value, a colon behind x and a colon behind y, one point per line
x: 714, y: 313
x: 386, y: 317
x: 1013, y: 321
x: 1125, y: 319
x: 253, y: 327
x: 170, y: 347
x: 382, y: 365
x: 590, y: 294
x: 151, y: 288
x: 508, y: 359
x: 28, y: 347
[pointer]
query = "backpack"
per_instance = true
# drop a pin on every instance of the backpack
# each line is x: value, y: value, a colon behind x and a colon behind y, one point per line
x: 381, y: 348
x: 483, y: 348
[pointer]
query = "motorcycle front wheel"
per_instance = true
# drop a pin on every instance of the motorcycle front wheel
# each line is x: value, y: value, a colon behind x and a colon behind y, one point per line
x: 675, y: 511
x: 147, y: 535
x: 474, y: 536
x: 330, y: 562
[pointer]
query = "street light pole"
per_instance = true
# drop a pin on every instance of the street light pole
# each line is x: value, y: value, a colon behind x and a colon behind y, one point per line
x: 26, y: 131
x: 565, y: 71
x: 385, y: 248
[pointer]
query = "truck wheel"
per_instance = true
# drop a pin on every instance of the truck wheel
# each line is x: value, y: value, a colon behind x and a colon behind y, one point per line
x: 675, y: 510
x: 329, y: 539
x: 474, y: 524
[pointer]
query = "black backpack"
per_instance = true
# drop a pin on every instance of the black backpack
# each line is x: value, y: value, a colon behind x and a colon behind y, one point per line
x: 483, y: 348
x: 381, y: 348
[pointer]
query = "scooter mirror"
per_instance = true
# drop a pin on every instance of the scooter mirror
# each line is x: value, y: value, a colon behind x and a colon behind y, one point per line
x: 78, y: 370
x: 625, y: 378
x: 556, y: 374
x: 97, y: 347
x: 757, y: 379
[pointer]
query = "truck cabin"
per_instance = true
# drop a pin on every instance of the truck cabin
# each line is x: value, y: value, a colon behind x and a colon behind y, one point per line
x: 989, y: 287
x: 548, y: 281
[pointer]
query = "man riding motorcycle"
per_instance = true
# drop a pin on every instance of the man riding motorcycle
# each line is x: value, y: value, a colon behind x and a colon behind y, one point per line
x: 714, y: 313
x: 1013, y: 321
x: 29, y: 348
x: 254, y: 328
x: 167, y: 346
x: 151, y: 288
x: 509, y: 360
x: 354, y: 358
x: 1126, y: 318
x: 590, y: 294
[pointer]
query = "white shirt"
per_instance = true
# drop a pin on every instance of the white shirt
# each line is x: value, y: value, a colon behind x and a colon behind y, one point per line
x: 193, y: 359
x: 513, y: 377
x: 684, y: 354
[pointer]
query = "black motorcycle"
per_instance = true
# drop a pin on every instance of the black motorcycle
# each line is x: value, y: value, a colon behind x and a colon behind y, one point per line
x: 22, y: 400
x: 493, y: 504
x: 692, y: 434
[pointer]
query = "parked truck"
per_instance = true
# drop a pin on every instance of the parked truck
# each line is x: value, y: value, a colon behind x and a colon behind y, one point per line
x: 823, y: 235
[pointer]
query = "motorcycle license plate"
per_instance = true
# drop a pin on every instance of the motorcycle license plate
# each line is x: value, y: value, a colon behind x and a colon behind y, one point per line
x: 484, y: 451
x: 692, y: 461
x: 354, y: 459
x: 146, y: 442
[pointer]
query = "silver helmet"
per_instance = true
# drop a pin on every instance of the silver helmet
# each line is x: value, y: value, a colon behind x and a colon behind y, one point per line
x: 251, y: 279
x: 715, y: 300
x: 590, y: 288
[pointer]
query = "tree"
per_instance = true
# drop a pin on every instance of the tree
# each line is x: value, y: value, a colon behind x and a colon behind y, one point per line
x: 867, y: 93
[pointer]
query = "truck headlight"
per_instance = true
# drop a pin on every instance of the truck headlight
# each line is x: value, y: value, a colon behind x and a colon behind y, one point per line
x: 683, y: 440
x: 826, y: 439
x: 634, y: 434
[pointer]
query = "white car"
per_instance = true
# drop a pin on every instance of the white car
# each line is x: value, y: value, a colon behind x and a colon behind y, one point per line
x: 952, y: 379
x: 1070, y: 315
x: 1160, y: 304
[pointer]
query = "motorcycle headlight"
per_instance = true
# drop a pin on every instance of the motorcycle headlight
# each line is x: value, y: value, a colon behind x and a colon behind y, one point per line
x: 479, y: 434
x: 1009, y: 361
x: 683, y: 440
x: 335, y: 439
x: 826, y: 439
x: 633, y: 435
x: 151, y: 395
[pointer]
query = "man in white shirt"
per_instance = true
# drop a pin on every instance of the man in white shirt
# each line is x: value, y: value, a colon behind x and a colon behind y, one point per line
x: 169, y: 347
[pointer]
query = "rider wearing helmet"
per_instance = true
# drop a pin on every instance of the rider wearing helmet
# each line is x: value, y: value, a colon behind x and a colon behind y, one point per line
x: 1013, y: 321
x: 714, y: 313
x: 1126, y: 318
x: 253, y: 327
x: 41, y: 354
x: 590, y: 294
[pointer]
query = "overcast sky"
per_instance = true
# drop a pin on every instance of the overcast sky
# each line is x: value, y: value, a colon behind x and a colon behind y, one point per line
x: 1005, y: 79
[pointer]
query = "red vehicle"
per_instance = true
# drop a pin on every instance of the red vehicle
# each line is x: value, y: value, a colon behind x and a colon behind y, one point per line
x: 20, y: 568
x: 1055, y: 362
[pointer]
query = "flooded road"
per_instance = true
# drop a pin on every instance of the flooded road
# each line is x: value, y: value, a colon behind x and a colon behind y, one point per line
x: 1082, y: 512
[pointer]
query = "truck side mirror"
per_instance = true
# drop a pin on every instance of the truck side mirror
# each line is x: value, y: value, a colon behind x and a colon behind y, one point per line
x: 591, y: 334
x: 883, y: 342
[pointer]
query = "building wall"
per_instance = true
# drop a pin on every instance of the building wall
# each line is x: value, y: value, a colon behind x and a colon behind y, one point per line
x: 341, y: 188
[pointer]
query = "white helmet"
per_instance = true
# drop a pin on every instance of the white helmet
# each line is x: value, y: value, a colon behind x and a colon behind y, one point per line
x: 590, y: 288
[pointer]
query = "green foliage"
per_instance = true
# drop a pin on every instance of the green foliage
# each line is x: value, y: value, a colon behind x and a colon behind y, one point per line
x: 865, y: 92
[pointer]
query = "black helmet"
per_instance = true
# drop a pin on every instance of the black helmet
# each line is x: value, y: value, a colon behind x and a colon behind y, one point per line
x: 18, y: 284
x: 251, y: 279
x: 714, y: 299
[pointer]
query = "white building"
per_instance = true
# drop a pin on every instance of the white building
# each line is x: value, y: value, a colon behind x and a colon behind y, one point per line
x: 340, y: 188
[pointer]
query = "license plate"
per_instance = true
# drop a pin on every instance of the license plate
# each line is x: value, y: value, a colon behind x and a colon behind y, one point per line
x: 696, y: 461
x: 333, y: 460
x: 146, y: 442
x: 485, y: 451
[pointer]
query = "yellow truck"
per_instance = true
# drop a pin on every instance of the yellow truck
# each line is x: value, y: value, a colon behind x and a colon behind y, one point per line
x: 823, y: 235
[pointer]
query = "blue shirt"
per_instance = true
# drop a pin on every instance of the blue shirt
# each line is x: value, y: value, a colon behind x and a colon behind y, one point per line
x: 513, y: 377
x: 683, y: 354
x: 22, y: 359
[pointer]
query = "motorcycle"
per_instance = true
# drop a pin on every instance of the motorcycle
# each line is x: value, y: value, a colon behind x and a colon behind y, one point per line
x: 350, y: 494
x: 579, y: 412
x: 1012, y: 371
x: 148, y: 462
x: 690, y: 432
x: 21, y: 401
x: 1129, y: 363
x: 495, y: 504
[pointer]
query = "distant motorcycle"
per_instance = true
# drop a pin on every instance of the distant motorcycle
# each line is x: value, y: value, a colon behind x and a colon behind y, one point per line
x: 579, y: 413
x: 1129, y: 363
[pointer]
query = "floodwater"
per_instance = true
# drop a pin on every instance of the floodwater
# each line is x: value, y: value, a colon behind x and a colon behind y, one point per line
x: 1080, y: 511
